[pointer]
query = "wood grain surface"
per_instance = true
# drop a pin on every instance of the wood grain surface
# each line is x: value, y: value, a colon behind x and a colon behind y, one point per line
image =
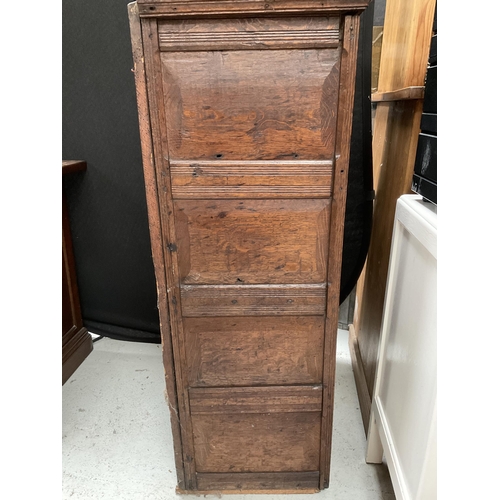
x: 253, y: 442
x: 252, y: 241
x: 245, y: 126
x: 272, y: 350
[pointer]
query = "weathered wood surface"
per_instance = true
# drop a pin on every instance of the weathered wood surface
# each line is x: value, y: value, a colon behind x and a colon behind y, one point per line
x: 257, y: 442
x: 246, y: 139
x: 155, y: 233
x: 220, y: 8
x: 273, y: 350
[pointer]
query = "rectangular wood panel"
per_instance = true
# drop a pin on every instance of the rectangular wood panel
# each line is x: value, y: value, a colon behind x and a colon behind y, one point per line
x: 264, y: 351
x: 274, y: 442
x: 250, y: 104
x: 252, y: 241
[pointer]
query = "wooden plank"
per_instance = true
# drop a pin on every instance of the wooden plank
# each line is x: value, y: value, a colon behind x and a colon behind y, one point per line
x: 252, y: 241
x: 405, y: 46
x: 239, y: 351
x: 342, y: 152
x: 236, y: 400
x: 394, y: 178
x: 274, y: 442
x: 197, y: 8
x: 258, y: 482
x: 378, y: 33
x: 155, y: 234
x: 253, y: 300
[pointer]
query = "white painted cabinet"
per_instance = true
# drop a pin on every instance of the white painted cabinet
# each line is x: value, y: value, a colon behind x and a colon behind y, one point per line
x: 403, y: 414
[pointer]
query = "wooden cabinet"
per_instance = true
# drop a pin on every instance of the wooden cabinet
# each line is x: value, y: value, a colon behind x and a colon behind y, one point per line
x: 245, y: 112
x: 76, y: 340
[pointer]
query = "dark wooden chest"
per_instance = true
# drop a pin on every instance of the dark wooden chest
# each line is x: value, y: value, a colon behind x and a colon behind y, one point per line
x: 245, y: 112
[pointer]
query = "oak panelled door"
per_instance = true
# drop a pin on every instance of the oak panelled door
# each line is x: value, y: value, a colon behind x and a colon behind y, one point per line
x: 245, y: 111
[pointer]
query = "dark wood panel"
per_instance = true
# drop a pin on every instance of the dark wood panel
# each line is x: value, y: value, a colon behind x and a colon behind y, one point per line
x: 253, y: 300
x: 76, y: 340
x: 251, y: 179
x: 252, y: 104
x: 255, y: 400
x: 275, y: 442
x: 258, y: 481
x: 240, y: 351
x: 252, y: 241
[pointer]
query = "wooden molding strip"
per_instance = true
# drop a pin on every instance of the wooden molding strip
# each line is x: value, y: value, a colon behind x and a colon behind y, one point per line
x: 406, y: 94
x: 253, y: 300
x: 257, y: 482
x: 251, y: 179
x: 152, y: 8
x: 248, y: 40
x: 256, y: 399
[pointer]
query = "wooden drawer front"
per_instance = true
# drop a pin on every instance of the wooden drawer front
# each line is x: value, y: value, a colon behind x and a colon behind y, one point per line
x: 256, y: 442
x: 254, y: 351
x: 221, y: 104
x: 252, y: 241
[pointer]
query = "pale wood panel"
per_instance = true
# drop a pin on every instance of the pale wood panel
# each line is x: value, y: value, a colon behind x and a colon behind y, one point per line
x: 405, y: 46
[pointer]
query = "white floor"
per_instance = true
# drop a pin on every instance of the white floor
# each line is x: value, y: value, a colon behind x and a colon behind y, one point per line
x: 117, y: 442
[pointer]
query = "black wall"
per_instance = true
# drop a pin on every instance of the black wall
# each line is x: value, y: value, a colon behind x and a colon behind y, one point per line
x: 107, y: 203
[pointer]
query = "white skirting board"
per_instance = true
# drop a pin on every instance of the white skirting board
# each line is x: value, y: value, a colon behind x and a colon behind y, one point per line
x: 403, y: 414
